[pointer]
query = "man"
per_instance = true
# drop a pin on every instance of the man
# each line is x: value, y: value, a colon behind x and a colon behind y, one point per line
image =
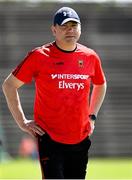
x: 63, y: 117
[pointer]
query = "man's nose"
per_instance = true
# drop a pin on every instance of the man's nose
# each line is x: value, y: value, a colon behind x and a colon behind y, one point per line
x: 70, y: 29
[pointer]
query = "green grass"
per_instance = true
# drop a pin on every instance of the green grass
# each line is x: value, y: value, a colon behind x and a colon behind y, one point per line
x: 20, y: 169
x: 109, y: 169
x: 97, y: 169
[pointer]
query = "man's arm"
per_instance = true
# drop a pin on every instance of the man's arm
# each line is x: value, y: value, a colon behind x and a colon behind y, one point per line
x: 97, y: 98
x: 10, y: 89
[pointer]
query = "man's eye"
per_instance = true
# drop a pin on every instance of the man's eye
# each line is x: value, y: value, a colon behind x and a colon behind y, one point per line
x: 74, y: 25
x: 64, y: 25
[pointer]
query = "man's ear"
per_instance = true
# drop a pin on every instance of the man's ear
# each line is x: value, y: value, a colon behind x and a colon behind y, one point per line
x: 53, y: 30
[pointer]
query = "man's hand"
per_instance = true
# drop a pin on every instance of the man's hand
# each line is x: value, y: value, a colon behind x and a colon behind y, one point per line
x: 92, y: 124
x: 32, y: 128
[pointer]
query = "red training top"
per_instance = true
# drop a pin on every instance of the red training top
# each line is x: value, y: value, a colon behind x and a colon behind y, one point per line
x: 62, y: 81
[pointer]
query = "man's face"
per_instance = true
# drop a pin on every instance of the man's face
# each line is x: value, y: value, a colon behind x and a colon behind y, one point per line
x: 68, y: 32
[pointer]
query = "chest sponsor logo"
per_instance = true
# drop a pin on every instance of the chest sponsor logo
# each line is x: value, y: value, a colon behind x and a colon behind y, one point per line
x: 62, y: 84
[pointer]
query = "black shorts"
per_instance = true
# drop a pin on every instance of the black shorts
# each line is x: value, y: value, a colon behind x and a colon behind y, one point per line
x: 63, y: 161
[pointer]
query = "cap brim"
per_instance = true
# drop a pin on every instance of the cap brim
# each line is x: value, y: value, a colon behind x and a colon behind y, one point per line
x: 70, y: 19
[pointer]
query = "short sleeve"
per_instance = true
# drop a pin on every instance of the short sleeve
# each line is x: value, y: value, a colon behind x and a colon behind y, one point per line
x: 27, y: 69
x: 98, y: 77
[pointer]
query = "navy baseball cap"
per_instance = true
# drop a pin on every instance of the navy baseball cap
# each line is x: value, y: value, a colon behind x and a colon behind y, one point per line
x: 64, y: 15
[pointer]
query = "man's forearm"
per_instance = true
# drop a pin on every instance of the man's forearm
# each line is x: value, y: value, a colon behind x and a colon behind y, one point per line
x: 14, y: 104
x: 97, y: 98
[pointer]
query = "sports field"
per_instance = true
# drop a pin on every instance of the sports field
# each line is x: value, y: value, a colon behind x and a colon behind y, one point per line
x: 97, y: 169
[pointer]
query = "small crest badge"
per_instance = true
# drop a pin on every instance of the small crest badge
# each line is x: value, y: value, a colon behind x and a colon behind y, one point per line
x: 81, y: 63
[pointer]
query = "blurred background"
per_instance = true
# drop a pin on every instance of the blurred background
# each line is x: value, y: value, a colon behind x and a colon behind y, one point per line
x: 107, y: 28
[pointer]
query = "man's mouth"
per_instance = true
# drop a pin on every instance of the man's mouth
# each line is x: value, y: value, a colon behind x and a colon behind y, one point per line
x: 70, y: 36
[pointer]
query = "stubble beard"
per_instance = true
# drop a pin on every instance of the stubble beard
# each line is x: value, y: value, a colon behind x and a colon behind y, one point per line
x: 71, y: 40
